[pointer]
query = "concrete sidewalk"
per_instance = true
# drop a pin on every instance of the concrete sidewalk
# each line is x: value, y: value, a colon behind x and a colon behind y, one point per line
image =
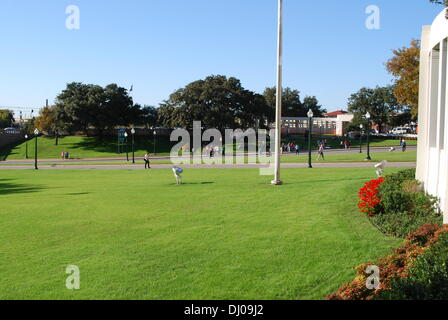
x: 30, y: 161
x: 192, y: 166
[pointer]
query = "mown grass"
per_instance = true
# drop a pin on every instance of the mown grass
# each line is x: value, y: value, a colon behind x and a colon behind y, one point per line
x: 224, y: 234
x: 90, y: 147
x: 84, y: 147
x: 409, y: 156
x: 397, y: 156
x: 335, y: 142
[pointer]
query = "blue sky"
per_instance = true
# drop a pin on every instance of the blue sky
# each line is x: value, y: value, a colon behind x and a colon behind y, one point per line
x: 161, y: 45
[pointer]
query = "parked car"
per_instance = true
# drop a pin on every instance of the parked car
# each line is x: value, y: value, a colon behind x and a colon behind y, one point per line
x: 401, y: 131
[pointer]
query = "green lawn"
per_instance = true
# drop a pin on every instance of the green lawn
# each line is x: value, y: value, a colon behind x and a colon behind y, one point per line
x: 410, y: 156
x: 225, y: 234
x: 83, y: 147
x: 335, y: 142
x: 397, y: 156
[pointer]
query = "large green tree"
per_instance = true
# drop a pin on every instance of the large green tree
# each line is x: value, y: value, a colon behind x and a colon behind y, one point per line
x: 380, y: 102
x: 149, y: 116
x: 292, y: 105
x: 218, y: 102
x: 82, y: 106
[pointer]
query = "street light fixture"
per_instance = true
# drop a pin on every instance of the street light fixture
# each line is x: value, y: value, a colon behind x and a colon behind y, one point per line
x: 310, y: 128
x: 36, y: 133
x: 361, y: 126
x: 368, y: 116
x: 127, y: 153
x: 26, y: 146
x: 133, y: 154
x: 155, y: 134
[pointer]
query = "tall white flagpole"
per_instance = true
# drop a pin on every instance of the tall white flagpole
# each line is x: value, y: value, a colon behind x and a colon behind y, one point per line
x: 278, y: 107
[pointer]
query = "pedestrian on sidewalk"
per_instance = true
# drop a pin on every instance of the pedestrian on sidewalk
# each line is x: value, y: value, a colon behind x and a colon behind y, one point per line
x: 147, y: 163
x: 404, y: 145
x: 321, y: 152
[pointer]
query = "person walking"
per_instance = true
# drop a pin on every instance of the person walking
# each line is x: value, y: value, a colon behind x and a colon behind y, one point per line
x: 147, y: 163
x: 404, y: 145
x: 321, y: 152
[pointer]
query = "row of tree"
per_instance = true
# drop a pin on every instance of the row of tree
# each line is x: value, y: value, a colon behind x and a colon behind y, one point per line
x: 83, y: 106
x: 219, y: 102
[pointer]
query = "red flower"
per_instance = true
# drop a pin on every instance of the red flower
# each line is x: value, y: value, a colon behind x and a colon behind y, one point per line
x: 368, y: 197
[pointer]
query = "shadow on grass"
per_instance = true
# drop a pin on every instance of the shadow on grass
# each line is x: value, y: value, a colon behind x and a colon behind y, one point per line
x: 7, y: 187
x: 109, y: 145
x: 105, y: 145
x: 78, y: 194
x: 8, y: 150
x: 336, y: 180
x: 192, y: 183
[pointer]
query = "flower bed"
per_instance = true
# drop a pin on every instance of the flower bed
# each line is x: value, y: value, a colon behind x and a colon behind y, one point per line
x: 396, y: 204
x: 398, y: 207
x: 393, y: 267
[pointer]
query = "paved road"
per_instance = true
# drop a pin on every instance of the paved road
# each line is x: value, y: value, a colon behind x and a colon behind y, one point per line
x: 239, y: 166
x: 121, y: 159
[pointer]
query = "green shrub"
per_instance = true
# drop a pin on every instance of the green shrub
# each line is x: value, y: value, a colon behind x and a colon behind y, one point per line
x: 428, y: 277
x: 401, y: 224
x: 396, y: 180
x: 404, y: 206
x: 392, y: 267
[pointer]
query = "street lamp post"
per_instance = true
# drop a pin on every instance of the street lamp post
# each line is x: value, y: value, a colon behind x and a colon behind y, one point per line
x: 368, y: 116
x: 155, y: 134
x: 278, y: 107
x: 360, y: 138
x: 127, y: 153
x: 36, y: 133
x: 26, y: 146
x: 310, y: 128
x: 133, y: 154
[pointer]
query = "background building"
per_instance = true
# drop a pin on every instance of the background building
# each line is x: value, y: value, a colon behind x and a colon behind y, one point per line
x: 333, y: 123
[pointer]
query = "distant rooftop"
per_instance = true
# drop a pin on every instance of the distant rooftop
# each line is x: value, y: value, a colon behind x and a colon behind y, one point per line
x: 335, y: 114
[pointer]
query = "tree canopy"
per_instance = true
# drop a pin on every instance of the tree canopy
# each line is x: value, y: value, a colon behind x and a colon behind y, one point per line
x: 292, y: 105
x: 218, y: 102
x: 405, y: 67
x: 81, y: 106
x: 380, y: 102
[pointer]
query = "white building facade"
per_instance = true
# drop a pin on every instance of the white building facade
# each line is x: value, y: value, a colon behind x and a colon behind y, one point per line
x: 333, y: 126
x: 432, y: 153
